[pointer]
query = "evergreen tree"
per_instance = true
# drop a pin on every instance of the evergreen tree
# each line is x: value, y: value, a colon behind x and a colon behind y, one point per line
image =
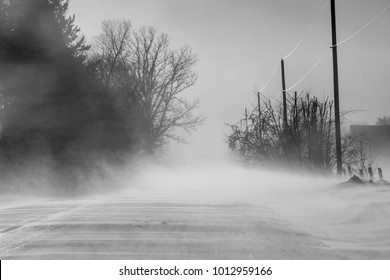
x: 50, y: 102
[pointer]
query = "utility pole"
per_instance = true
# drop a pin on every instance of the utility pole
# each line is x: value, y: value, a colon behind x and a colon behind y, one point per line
x: 336, y: 90
x: 296, y: 110
x: 260, y: 122
x: 246, y: 119
x: 258, y: 106
x: 284, y: 97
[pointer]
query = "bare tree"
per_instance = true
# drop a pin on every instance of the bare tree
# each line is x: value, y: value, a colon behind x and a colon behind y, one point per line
x: 308, y: 141
x: 149, y: 78
x: 110, y: 51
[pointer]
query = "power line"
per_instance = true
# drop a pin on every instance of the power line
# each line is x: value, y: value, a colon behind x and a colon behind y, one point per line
x: 266, y: 83
x: 250, y: 102
x: 311, y: 70
x: 276, y: 98
x: 266, y: 96
x: 293, y: 50
x: 322, y: 56
x: 364, y: 27
x: 270, y: 78
x: 307, y: 31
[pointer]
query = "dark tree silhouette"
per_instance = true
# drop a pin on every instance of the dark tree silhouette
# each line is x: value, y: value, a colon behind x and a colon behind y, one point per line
x: 36, y: 29
x: 148, y: 78
x: 308, y: 141
x: 51, y: 102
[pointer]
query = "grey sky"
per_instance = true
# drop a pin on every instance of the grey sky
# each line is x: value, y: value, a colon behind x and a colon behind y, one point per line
x: 239, y: 43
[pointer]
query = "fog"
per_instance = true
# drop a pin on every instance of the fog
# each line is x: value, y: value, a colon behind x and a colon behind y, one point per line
x: 85, y: 175
x: 311, y: 216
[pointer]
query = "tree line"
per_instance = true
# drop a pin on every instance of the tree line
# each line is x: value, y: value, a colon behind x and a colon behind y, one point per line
x: 306, y: 142
x: 62, y: 98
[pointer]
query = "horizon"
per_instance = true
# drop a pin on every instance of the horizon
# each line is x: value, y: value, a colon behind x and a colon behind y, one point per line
x: 231, y: 75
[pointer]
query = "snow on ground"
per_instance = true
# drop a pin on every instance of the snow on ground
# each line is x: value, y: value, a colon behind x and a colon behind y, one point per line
x: 203, y: 212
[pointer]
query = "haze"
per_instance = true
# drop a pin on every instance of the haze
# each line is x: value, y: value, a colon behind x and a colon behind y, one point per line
x: 239, y: 43
x: 199, y: 202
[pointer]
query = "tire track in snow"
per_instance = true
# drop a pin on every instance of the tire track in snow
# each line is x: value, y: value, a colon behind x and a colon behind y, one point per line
x: 15, y: 236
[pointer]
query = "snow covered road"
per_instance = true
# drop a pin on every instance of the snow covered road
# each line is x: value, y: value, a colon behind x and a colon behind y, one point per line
x: 125, y: 228
x: 192, y: 214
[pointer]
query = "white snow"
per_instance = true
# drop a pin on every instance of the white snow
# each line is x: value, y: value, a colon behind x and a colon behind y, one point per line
x: 202, y: 212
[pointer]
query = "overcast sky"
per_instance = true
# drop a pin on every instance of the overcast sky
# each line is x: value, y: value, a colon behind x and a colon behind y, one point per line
x: 239, y: 42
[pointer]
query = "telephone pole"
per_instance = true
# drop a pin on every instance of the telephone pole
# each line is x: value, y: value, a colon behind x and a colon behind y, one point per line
x: 336, y: 89
x: 260, y: 122
x: 284, y: 97
x: 246, y: 119
x: 258, y: 106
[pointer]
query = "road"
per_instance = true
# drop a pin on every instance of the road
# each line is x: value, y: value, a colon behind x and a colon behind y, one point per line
x: 201, y: 215
x: 123, y: 227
